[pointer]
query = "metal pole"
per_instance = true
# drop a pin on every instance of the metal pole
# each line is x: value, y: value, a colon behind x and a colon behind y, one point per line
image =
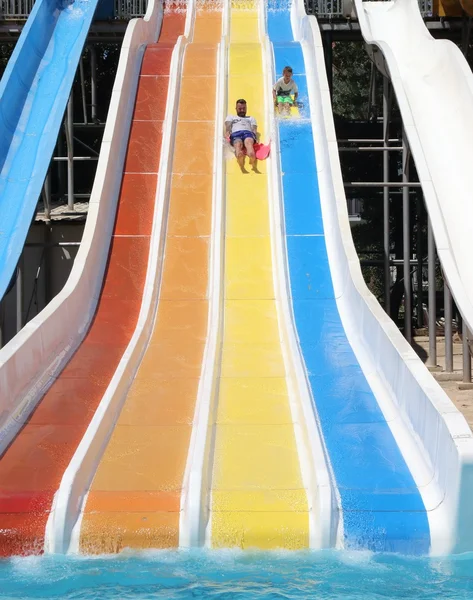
x: 432, y: 361
x: 466, y: 354
x: 329, y: 60
x: 466, y: 33
x: 93, y: 81
x: 380, y: 184
x: 406, y: 238
x: 420, y: 299
x: 19, y: 295
x: 47, y: 196
x: 70, y: 153
x: 447, y: 301
x: 371, y: 149
x: 387, y: 270
x: 2, y: 323
x: 61, y: 171
x: 82, y: 87
x: 370, y: 97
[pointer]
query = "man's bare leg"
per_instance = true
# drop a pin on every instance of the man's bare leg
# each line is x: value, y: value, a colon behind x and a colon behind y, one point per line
x: 250, y: 152
x: 240, y: 155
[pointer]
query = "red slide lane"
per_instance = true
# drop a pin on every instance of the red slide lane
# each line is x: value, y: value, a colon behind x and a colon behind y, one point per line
x: 32, y: 467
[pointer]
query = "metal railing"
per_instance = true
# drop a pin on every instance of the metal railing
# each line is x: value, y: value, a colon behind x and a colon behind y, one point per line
x: 330, y: 9
x: 129, y: 9
x: 15, y: 9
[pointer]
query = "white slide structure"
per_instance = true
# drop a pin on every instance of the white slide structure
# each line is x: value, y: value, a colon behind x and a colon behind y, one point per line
x: 431, y: 433
x: 434, y: 89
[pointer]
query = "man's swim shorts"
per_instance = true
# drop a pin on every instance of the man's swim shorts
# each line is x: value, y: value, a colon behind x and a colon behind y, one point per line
x: 241, y: 135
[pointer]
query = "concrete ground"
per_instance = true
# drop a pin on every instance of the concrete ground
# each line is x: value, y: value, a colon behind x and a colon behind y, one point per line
x: 450, y: 382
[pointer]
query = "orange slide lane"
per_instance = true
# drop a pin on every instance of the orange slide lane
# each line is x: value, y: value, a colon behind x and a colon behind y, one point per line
x: 134, y: 500
x: 32, y: 467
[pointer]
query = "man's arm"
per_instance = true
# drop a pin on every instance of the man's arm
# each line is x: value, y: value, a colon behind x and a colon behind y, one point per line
x: 228, y: 127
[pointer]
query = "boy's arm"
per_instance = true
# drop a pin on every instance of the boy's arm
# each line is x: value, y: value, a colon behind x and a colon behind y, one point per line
x: 296, y: 92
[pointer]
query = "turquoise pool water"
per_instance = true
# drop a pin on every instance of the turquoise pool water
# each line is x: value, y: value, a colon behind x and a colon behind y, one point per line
x: 235, y: 575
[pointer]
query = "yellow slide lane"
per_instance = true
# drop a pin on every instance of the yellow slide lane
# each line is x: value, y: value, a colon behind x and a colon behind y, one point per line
x: 258, y: 498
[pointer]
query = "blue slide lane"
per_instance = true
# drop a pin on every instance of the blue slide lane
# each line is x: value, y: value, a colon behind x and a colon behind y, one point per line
x: 382, y: 507
x: 34, y: 91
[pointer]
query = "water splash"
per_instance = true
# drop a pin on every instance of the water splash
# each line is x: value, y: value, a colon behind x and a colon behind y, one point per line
x: 279, y: 5
x: 175, y: 6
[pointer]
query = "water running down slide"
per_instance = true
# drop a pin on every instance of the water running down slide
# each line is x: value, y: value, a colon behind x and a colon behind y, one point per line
x: 258, y: 495
x: 33, y: 464
x: 34, y: 91
x: 381, y: 506
x: 434, y: 89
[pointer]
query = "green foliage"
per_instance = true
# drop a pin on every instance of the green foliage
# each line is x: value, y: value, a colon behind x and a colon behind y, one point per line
x: 351, y: 79
x: 5, y: 53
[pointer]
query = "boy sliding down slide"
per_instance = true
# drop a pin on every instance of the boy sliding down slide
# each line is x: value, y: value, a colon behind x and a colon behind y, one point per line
x: 242, y: 132
x: 283, y: 90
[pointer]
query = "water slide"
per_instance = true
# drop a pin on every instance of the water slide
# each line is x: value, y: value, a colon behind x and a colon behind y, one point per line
x: 134, y: 499
x: 400, y: 453
x: 208, y: 444
x: 258, y: 396
x: 34, y: 91
x: 274, y: 404
x: 54, y: 373
x: 434, y: 89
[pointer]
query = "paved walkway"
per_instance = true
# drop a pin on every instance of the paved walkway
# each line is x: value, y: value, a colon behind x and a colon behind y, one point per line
x: 463, y: 399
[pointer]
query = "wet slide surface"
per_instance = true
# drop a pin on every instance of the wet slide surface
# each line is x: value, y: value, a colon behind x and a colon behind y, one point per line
x: 32, y: 467
x: 382, y: 507
x: 34, y: 91
x: 258, y: 498
x: 134, y: 500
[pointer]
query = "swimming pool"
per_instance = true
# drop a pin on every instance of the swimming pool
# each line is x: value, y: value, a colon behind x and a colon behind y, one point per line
x: 235, y: 574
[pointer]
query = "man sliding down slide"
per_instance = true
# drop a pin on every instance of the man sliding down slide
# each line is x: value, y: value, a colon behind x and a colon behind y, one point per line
x: 242, y: 132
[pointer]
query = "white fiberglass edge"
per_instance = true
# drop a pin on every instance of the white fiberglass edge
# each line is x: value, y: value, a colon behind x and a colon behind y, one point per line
x: 195, y: 487
x: 434, y: 89
x: 323, y: 510
x: 30, y: 362
x: 432, y: 435
x: 63, y: 527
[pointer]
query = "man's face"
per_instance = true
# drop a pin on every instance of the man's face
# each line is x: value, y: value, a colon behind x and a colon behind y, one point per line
x: 241, y: 109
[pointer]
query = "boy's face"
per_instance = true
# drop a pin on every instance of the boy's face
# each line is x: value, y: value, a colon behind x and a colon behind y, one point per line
x: 287, y: 76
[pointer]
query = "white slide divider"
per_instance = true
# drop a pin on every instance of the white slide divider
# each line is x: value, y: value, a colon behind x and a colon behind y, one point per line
x: 195, y: 499
x: 432, y: 435
x: 63, y: 527
x: 30, y: 362
x: 322, y: 501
